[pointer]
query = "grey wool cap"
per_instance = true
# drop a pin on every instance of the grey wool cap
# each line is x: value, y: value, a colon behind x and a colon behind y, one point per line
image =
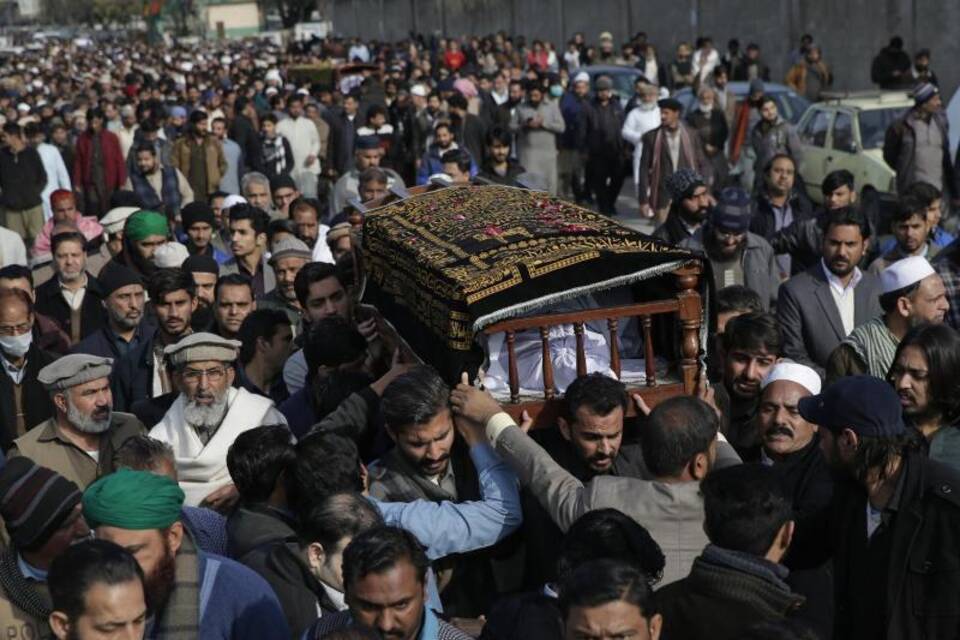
x: 291, y: 248
x: 71, y: 370
x: 198, y: 347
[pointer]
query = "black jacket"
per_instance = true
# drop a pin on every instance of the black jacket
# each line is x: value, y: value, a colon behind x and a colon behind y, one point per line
x: 720, y: 602
x: 922, y: 590
x: 601, y: 131
x: 253, y: 529
x: 471, y: 135
x: 541, y: 534
x: 22, y: 179
x: 100, y: 342
x: 132, y: 376
x: 37, y: 406
x: 51, y: 302
x: 762, y: 220
x: 672, y: 230
x: 514, y: 170
x: 298, y: 591
x: 150, y: 411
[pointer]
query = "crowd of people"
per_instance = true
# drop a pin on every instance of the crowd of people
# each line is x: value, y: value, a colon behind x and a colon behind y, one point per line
x: 207, y: 434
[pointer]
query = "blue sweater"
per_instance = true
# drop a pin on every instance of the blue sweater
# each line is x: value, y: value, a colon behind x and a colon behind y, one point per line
x: 236, y: 603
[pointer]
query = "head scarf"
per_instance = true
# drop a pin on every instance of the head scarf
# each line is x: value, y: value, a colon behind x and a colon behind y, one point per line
x: 146, y: 223
x: 132, y: 500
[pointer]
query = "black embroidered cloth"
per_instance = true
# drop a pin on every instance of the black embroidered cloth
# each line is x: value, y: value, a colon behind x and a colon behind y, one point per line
x: 442, y: 265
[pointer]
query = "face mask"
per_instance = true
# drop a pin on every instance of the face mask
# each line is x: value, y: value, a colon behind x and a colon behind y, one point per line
x: 16, y: 346
x: 556, y: 91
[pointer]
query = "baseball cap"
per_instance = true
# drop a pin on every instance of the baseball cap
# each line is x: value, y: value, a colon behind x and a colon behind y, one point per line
x: 866, y: 405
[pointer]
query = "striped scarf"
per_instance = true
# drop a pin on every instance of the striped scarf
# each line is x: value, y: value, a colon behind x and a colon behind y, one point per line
x: 180, y: 619
x: 20, y: 591
x: 686, y: 158
x: 875, y: 345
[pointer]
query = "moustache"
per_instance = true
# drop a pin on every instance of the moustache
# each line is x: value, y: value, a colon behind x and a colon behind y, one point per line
x: 778, y: 430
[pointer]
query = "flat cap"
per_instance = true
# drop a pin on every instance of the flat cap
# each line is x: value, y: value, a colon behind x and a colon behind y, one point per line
x: 202, y: 346
x: 338, y: 231
x: 290, y: 248
x: 73, y: 369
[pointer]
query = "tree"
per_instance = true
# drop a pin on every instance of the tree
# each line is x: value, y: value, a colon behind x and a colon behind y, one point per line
x: 291, y: 11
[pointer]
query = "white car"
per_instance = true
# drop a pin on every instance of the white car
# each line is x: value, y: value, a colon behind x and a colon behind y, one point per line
x: 846, y: 131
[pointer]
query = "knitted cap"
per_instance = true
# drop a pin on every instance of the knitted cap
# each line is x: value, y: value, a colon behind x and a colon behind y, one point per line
x: 34, y: 501
x: 683, y: 182
x: 115, y: 276
x: 201, y: 264
x: 923, y: 92
x: 196, y: 212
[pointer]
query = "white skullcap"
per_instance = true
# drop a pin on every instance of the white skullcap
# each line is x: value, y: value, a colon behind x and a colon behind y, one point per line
x: 904, y: 273
x: 170, y: 254
x: 231, y: 200
x: 418, y: 90
x: 271, y: 91
x: 794, y: 372
x: 273, y: 76
x: 583, y: 76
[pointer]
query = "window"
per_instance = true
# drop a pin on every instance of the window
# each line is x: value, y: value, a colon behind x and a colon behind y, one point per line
x: 814, y: 131
x: 874, y: 125
x: 843, y: 132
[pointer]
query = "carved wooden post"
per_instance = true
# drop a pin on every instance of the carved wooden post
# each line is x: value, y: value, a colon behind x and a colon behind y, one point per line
x: 547, y: 363
x: 581, y: 354
x: 690, y: 315
x: 648, y: 357
x: 614, y: 346
x: 512, y: 368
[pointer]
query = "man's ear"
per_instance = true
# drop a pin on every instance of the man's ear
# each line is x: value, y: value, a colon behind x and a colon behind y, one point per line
x: 903, y: 306
x: 564, y: 428
x: 60, y: 401
x: 174, y: 536
x: 59, y: 624
x: 655, y: 626
x: 316, y: 555
x: 699, y: 466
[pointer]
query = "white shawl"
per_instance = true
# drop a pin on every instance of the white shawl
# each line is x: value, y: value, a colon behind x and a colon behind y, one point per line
x: 202, y: 469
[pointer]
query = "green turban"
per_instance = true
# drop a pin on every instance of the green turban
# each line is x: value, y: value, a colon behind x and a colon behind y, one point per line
x: 132, y: 500
x: 145, y: 223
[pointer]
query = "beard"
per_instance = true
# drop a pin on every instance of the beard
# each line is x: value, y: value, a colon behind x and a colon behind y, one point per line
x: 95, y: 422
x: 70, y: 276
x: 206, y: 416
x: 158, y: 584
x: 129, y: 320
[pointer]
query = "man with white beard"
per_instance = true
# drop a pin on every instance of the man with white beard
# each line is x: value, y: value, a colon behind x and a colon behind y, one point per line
x: 208, y: 416
x: 79, y: 441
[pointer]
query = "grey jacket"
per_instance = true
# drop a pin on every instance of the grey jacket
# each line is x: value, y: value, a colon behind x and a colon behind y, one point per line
x: 671, y: 512
x: 543, y: 138
x: 900, y: 147
x: 760, y: 271
x: 780, y: 138
x: 809, y: 317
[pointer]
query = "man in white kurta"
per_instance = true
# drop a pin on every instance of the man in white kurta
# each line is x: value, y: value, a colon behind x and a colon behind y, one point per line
x: 305, y: 143
x: 208, y: 416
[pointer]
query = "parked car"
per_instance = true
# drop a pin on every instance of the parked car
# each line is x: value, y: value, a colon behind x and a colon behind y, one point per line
x: 846, y: 131
x: 790, y: 105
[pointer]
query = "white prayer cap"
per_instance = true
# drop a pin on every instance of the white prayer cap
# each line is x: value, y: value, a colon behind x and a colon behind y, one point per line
x: 271, y: 91
x: 904, y: 273
x: 794, y: 372
x: 116, y: 217
x: 583, y: 76
x: 273, y: 76
x: 170, y: 254
x: 231, y: 200
x: 418, y: 90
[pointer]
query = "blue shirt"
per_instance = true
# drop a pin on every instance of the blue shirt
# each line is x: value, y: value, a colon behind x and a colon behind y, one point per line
x: 445, y: 528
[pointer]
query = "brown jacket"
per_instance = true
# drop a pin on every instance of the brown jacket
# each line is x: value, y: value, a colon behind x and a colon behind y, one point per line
x: 213, y: 156
x: 46, y: 445
x: 797, y: 77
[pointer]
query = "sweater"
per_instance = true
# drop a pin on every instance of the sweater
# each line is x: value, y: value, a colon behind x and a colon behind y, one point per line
x: 22, y: 179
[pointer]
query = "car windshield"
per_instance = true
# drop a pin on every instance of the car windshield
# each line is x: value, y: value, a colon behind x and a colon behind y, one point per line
x: 874, y: 125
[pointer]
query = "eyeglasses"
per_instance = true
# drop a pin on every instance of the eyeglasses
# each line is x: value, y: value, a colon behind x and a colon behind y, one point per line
x: 214, y: 375
x: 16, y: 330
